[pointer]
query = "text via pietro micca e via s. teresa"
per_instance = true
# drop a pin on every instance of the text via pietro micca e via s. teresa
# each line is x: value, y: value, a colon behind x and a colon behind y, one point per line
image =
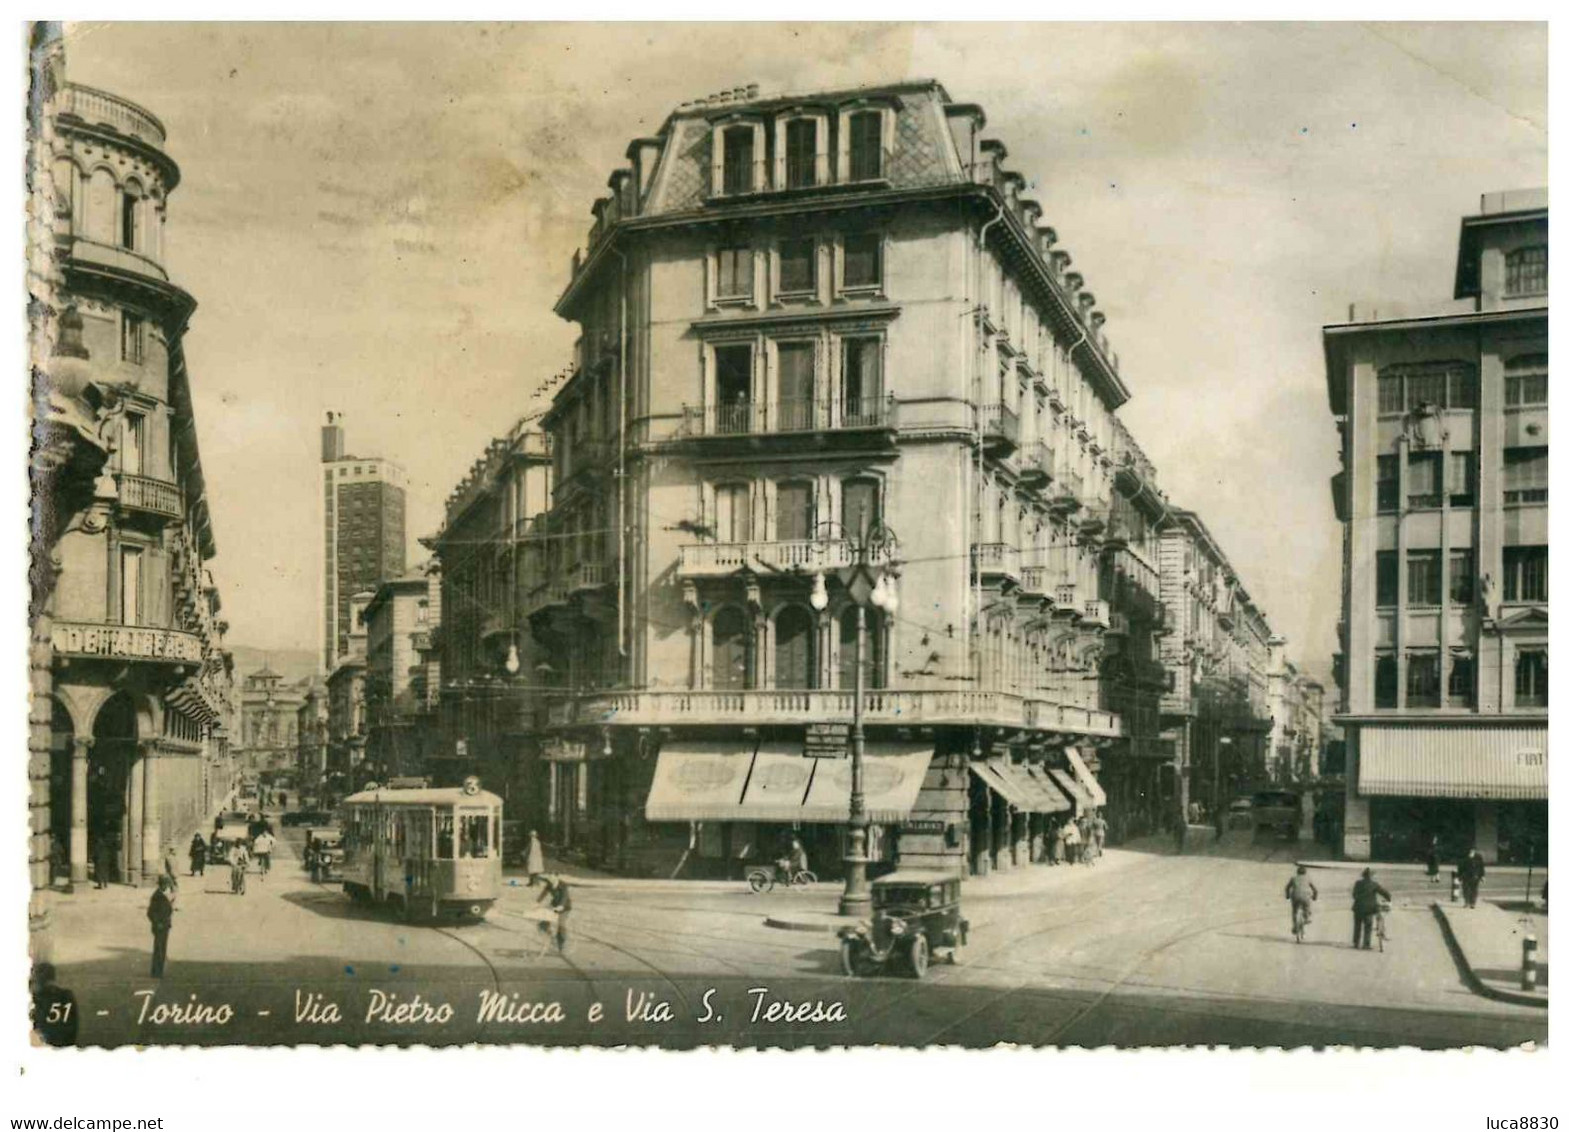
x: 388, y: 1008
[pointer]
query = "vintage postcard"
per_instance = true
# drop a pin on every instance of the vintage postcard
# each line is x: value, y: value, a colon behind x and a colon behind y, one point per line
x: 779, y: 536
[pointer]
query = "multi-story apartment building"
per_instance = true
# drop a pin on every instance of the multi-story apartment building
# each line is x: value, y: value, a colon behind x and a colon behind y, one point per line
x: 129, y: 668
x: 269, y: 722
x: 310, y: 764
x: 1216, y: 706
x: 1442, y: 495
x: 1296, y: 707
x: 804, y: 319
x: 398, y: 624
x: 346, y: 722
x: 362, y: 532
x: 490, y: 548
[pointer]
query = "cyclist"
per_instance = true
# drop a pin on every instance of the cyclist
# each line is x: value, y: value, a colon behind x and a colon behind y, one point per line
x: 1301, y: 892
x: 792, y: 864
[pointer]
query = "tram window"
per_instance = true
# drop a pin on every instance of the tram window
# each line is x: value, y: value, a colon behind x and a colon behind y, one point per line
x: 475, y: 841
x: 444, y: 837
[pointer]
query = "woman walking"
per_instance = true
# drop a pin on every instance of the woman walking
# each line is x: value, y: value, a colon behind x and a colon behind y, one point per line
x: 198, y: 853
x: 1432, y: 861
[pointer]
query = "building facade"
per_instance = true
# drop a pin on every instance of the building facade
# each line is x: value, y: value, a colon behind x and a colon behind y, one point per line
x: 490, y: 670
x: 399, y: 621
x: 310, y: 730
x: 362, y: 531
x: 125, y: 613
x: 1442, y: 496
x: 269, y: 724
x: 346, y: 720
x: 1296, y: 708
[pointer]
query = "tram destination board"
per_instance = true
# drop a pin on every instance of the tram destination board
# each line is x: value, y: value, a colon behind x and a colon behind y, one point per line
x: 827, y: 740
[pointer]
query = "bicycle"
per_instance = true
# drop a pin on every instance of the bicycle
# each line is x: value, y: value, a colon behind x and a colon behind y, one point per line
x: 1300, y: 915
x: 766, y: 876
x: 1380, y: 928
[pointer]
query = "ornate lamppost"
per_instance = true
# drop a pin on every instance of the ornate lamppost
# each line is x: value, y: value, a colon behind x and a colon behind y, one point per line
x: 869, y: 578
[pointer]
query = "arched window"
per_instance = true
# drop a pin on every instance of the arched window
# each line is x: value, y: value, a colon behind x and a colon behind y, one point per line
x: 876, y: 650
x: 130, y: 217
x: 795, y: 648
x: 733, y: 667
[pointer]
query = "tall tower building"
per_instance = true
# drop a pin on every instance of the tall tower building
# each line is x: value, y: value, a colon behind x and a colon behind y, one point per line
x: 362, y: 525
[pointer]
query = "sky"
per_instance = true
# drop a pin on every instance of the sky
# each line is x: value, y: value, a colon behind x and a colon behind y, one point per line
x: 377, y: 219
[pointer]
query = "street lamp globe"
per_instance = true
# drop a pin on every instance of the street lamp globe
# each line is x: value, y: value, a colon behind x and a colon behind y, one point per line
x: 819, y: 598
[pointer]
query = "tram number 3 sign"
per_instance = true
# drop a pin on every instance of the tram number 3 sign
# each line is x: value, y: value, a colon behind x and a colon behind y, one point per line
x: 827, y: 740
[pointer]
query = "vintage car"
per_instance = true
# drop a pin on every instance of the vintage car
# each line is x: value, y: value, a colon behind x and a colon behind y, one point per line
x: 914, y: 912
x: 324, y: 844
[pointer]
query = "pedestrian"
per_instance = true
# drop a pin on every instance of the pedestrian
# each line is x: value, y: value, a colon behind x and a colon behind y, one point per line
x: 1098, y: 831
x: 1472, y: 870
x: 1432, y: 860
x: 1365, y: 897
x: 160, y: 914
x: 263, y: 847
x: 238, y: 860
x: 560, y: 898
x: 171, y: 868
x: 103, y: 861
x: 54, y: 1008
x: 198, y: 853
x: 1059, y: 842
x: 535, y: 862
x: 1071, y: 842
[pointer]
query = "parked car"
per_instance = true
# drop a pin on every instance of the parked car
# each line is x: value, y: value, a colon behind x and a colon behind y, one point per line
x: 914, y: 912
x: 325, y: 843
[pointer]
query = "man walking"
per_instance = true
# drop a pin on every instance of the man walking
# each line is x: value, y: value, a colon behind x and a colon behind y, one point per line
x: 160, y: 914
x: 238, y: 860
x: 198, y: 855
x: 535, y: 861
x: 263, y: 846
x: 1472, y: 870
x: 1365, y: 897
x: 103, y: 861
x: 560, y: 903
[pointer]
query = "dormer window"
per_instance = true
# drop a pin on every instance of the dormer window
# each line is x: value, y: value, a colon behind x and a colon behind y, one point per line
x: 866, y: 145
x: 801, y: 153
x: 738, y: 157
x: 1525, y: 271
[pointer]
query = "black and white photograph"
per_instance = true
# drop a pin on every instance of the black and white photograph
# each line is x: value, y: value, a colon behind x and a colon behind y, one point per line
x: 786, y: 536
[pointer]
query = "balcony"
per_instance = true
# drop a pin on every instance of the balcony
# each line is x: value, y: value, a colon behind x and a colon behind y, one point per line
x: 1037, y: 581
x: 587, y: 576
x: 100, y: 108
x: 1067, y: 602
x: 98, y: 254
x: 997, y: 560
x: 904, y: 708
x: 799, y: 556
x: 1067, y: 494
x: 148, y: 495
x: 746, y: 418
x: 546, y: 595
x: 124, y: 642
x: 1035, y: 465
x: 1095, y: 614
x: 999, y: 428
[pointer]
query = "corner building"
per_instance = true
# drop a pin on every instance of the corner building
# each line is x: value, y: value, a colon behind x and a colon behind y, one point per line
x: 802, y: 318
x: 1442, y: 496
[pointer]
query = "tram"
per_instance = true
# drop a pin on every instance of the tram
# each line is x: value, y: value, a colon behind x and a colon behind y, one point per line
x: 432, y: 853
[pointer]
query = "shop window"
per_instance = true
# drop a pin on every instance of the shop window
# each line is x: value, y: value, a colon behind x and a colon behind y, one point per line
x: 733, y: 279
x: 795, y: 648
x: 1525, y: 573
x: 1423, y: 470
x: 1531, y: 678
x: 1386, y: 680
x: 1387, y: 592
x: 1462, y: 577
x: 1525, y: 475
x: 797, y: 266
x: 1388, y: 484
x: 1525, y: 381
x: 1421, y: 679
x: 733, y: 667
x: 1525, y: 271
x: 1462, y: 679
x: 863, y: 261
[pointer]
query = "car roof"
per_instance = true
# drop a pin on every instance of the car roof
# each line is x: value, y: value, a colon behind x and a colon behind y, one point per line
x: 916, y: 876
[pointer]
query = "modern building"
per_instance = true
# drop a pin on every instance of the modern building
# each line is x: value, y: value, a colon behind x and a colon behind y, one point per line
x: 399, y: 621
x: 130, y: 677
x: 828, y: 349
x: 269, y: 723
x: 362, y: 531
x: 1442, y: 496
x: 486, y: 685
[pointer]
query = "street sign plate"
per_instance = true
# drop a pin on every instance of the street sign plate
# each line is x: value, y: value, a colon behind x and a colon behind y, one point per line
x: 827, y: 740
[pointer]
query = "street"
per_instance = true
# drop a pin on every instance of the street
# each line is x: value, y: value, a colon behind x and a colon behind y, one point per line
x: 1140, y: 949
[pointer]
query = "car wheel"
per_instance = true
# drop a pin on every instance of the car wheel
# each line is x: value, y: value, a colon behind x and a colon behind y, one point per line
x: 920, y: 956
x: 850, y: 958
x: 757, y: 880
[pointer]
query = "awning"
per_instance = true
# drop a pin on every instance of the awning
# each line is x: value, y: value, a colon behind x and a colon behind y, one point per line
x: 1085, y: 777
x: 1073, y: 788
x: 699, y: 781
x: 1056, y: 801
x: 775, y: 782
x: 1023, y: 789
x: 1454, y: 761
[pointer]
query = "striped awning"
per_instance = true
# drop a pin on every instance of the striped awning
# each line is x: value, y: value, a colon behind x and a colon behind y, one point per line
x: 1460, y: 760
x: 1085, y: 776
x: 1024, y: 790
x: 1073, y: 788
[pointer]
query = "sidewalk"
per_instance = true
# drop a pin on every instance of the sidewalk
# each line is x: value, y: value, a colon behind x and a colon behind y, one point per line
x: 1486, y: 942
x: 1538, y: 873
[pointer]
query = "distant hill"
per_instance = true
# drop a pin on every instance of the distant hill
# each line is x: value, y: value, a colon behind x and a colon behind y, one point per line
x: 291, y: 664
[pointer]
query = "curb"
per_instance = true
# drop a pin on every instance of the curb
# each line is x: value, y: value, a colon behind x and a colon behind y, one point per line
x: 821, y: 922
x: 1473, y: 980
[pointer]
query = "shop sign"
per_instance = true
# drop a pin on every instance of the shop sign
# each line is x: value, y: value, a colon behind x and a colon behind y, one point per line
x: 564, y: 751
x: 127, y: 642
x: 827, y: 740
x: 923, y: 825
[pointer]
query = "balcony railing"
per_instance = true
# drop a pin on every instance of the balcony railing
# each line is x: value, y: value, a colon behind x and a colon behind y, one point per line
x: 1095, y: 612
x: 1035, y: 463
x: 588, y: 576
x: 545, y: 595
x: 893, y: 706
x: 1038, y: 581
x: 84, y: 250
x: 99, y: 107
x: 997, y: 559
x: 815, y: 415
x: 999, y: 425
x: 807, y: 556
x: 1068, y: 597
x: 143, y: 493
